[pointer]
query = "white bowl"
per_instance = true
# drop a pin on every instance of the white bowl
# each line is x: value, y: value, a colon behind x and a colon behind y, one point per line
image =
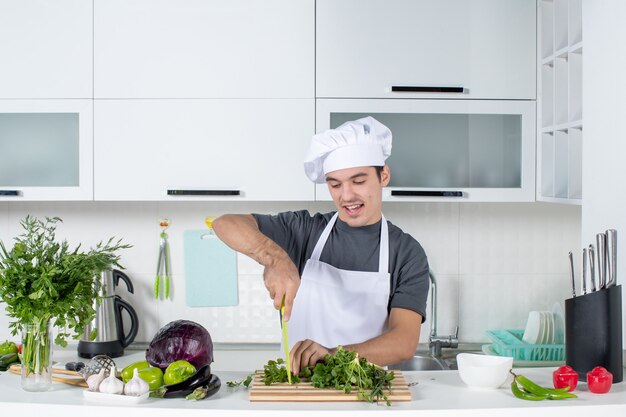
x: 483, y: 371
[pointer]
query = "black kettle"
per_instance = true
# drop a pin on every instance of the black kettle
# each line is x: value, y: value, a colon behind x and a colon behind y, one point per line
x: 110, y: 338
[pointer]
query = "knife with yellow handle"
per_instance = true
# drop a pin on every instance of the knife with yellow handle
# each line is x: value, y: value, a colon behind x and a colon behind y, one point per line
x: 283, y: 325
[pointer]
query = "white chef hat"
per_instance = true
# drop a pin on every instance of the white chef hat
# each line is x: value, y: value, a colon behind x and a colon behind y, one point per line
x: 362, y: 142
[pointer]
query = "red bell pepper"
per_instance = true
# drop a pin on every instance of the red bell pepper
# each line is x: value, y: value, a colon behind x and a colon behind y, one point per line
x: 564, y: 377
x: 599, y: 380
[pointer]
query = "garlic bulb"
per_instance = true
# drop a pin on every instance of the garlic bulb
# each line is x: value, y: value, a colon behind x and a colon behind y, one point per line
x: 136, y: 387
x: 112, y: 385
x: 93, y: 382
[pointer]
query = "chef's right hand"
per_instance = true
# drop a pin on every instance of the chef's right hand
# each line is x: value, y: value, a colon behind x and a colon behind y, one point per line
x: 281, y: 278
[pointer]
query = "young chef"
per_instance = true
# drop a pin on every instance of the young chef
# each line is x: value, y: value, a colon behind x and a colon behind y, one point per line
x: 353, y: 278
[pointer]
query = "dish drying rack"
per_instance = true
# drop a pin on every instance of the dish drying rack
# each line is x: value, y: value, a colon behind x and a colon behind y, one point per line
x: 510, y: 343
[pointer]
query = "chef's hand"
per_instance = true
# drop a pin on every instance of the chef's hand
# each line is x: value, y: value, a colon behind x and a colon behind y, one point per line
x: 306, y: 353
x: 282, y: 279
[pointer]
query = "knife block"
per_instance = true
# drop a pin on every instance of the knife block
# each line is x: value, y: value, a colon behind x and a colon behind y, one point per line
x: 593, y: 332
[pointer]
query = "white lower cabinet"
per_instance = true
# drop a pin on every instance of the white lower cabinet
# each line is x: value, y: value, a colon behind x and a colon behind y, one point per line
x: 46, y: 150
x: 218, y: 150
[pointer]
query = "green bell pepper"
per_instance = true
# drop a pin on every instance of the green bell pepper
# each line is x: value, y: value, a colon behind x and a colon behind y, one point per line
x: 152, y: 375
x: 7, y: 347
x: 127, y: 372
x: 178, y: 371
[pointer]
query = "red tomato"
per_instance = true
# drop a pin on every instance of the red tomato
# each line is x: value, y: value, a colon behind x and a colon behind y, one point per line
x: 564, y: 377
x: 599, y: 380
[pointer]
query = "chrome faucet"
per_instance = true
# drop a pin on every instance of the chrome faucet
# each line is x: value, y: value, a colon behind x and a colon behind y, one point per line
x: 437, y: 342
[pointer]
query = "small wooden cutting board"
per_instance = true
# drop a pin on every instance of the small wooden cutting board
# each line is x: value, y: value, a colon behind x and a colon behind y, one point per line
x: 59, y: 375
x: 304, y: 391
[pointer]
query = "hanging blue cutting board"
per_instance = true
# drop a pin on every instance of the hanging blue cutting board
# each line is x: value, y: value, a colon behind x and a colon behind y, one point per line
x: 210, y: 271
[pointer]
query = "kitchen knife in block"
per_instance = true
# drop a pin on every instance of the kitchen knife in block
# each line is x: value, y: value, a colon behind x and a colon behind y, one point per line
x: 210, y: 271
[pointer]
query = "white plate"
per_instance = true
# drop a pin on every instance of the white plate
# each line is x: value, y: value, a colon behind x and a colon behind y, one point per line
x: 545, y: 328
x: 542, y: 333
x: 532, y: 333
x: 559, y: 323
x: 551, y: 334
x: 114, y: 398
x: 542, y: 328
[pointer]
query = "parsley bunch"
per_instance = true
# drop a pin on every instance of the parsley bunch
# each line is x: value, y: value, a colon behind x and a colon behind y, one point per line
x: 42, y: 280
x: 346, y: 371
x: 273, y: 372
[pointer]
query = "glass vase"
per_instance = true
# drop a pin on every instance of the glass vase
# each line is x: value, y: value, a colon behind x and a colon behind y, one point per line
x: 37, y: 356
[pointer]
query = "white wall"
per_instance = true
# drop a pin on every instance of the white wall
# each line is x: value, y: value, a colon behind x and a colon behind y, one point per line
x: 494, y: 262
x: 604, y: 140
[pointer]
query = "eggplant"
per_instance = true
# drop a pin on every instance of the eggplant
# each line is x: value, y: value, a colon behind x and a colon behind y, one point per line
x: 207, y: 390
x: 186, y: 387
x: 7, y: 359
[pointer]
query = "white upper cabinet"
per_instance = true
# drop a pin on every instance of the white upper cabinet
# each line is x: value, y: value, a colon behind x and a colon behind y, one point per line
x: 46, y: 150
x: 46, y: 49
x: 204, y: 49
x: 186, y: 150
x: 448, y: 150
x: 483, y: 49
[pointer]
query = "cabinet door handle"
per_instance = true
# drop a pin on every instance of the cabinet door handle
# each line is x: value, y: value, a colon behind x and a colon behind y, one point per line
x: 10, y: 193
x: 425, y: 89
x: 410, y: 193
x: 203, y: 192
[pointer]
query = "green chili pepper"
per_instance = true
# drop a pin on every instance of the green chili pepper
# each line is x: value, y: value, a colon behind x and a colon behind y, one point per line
x: 536, y: 389
x: 525, y: 395
x: 534, y: 392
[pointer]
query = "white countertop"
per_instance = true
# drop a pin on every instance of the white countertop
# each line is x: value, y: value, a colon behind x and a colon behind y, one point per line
x: 436, y: 393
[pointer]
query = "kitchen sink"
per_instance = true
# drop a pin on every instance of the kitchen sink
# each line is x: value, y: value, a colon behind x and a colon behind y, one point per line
x: 424, y: 363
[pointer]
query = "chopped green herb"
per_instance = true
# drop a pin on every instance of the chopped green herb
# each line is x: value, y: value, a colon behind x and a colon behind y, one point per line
x: 344, y: 371
x: 276, y: 371
x: 245, y: 382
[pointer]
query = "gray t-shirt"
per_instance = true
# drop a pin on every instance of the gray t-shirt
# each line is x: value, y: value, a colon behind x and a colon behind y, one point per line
x: 356, y: 249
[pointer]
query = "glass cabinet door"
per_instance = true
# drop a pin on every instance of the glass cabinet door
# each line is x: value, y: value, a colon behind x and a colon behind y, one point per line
x: 476, y: 150
x: 46, y: 150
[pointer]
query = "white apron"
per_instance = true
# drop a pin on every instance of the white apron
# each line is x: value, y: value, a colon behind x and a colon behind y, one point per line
x: 340, y: 307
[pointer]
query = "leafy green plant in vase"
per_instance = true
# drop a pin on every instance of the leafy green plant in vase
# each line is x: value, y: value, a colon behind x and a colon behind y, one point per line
x: 44, y: 283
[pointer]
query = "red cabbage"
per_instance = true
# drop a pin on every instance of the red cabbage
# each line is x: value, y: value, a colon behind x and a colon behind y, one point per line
x: 180, y: 340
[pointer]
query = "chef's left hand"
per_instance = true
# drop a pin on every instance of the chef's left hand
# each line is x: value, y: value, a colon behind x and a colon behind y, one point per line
x: 306, y: 353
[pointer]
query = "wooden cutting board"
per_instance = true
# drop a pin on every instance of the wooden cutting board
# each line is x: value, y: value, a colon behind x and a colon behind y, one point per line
x: 304, y: 391
x: 59, y: 375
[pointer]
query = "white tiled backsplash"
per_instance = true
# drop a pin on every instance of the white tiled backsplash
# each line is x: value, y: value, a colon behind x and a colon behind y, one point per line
x: 494, y: 261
